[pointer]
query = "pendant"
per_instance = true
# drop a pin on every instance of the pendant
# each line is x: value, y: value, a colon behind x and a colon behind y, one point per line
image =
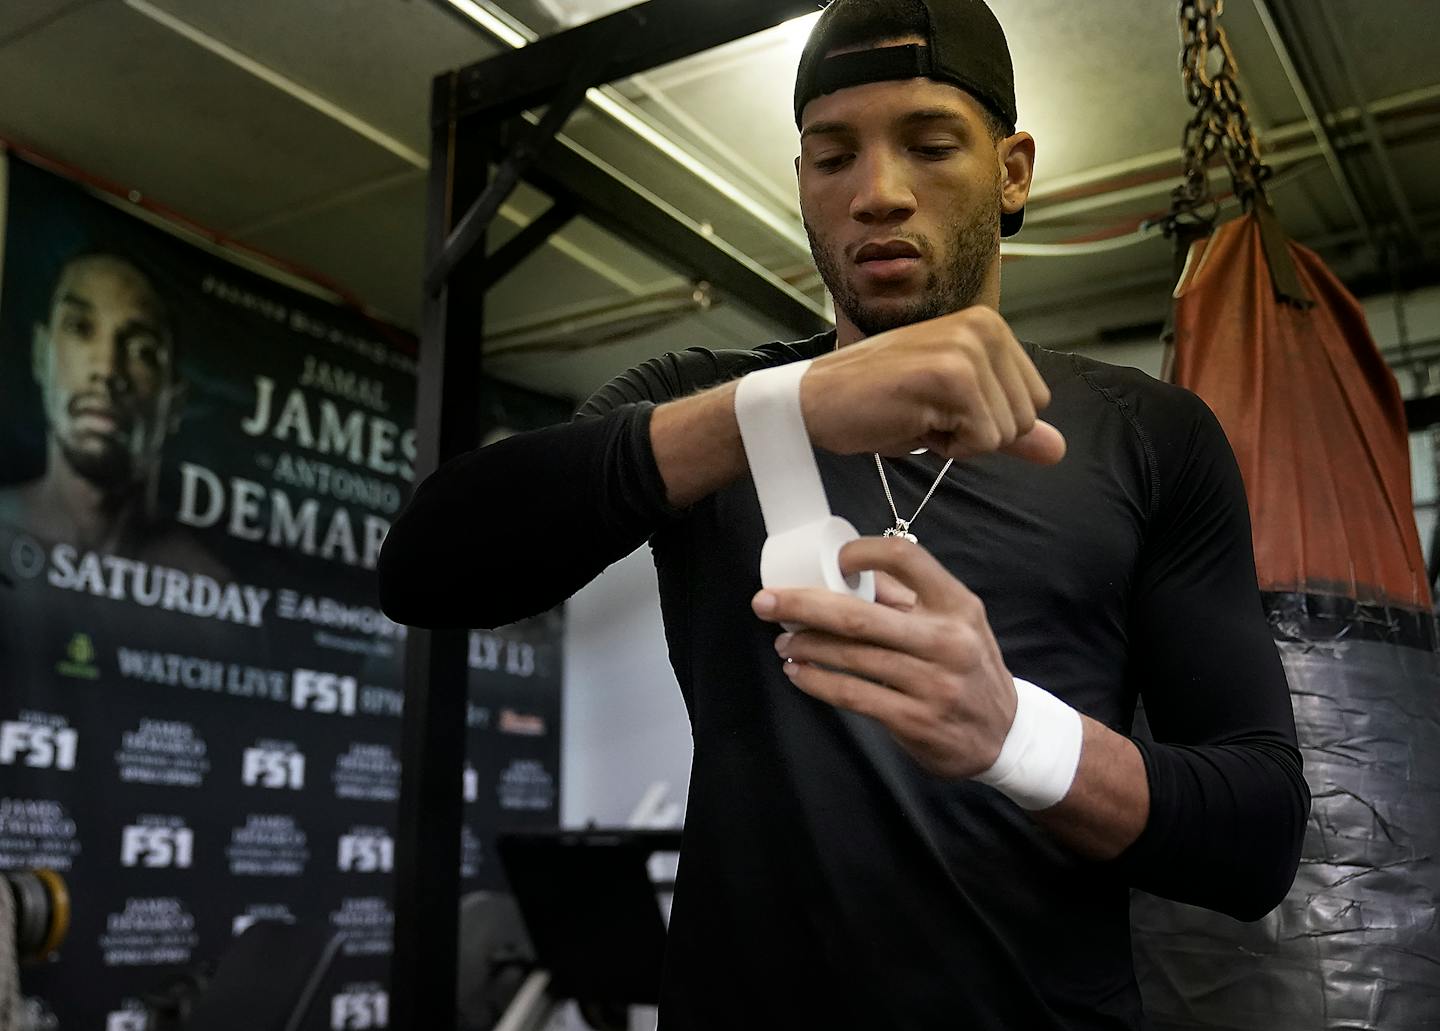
x: 902, y: 529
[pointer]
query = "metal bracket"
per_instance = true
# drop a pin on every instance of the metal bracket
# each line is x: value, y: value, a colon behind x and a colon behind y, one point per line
x: 522, y: 245
x: 622, y: 206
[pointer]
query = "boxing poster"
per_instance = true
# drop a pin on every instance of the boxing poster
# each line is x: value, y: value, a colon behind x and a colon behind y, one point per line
x: 200, y: 699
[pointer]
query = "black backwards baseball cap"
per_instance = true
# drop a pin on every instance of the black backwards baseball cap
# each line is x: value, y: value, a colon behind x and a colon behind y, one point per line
x: 965, y: 46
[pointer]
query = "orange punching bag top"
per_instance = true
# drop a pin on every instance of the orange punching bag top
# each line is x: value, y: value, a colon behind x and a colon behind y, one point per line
x: 1313, y: 413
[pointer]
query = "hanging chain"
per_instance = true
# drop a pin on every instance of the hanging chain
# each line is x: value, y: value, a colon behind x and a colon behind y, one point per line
x: 1221, y: 122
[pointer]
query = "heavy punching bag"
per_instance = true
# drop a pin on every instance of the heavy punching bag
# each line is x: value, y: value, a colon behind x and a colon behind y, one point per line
x: 1318, y: 427
x: 1280, y: 350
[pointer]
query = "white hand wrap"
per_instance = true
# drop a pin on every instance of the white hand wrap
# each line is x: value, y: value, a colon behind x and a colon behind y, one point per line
x: 802, y: 548
x: 1038, y: 760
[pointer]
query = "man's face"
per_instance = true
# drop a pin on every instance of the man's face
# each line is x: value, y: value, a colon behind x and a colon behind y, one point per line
x: 900, y: 190
x: 104, y: 365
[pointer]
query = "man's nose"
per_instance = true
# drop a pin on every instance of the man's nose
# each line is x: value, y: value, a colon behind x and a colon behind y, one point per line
x: 882, y: 192
x: 107, y: 361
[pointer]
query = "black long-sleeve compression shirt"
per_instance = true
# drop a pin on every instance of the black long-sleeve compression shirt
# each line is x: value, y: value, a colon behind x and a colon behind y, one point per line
x: 820, y: 861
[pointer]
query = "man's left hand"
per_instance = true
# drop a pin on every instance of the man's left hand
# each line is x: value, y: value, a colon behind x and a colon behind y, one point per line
x: 921, y: 658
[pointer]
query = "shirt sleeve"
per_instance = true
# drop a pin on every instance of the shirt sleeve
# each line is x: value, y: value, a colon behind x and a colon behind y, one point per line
x: 512, y: 529
x: 1228, y: 801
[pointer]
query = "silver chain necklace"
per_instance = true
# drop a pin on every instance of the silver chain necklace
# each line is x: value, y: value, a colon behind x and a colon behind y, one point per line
x: 902, y: 526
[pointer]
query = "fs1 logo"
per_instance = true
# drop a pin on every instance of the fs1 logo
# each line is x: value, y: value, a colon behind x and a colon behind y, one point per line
x: 142, y: 845
x: 267, y: 768
x: 323, y: 692
x: 42, y: 746
x: 355, y: 1011
x: 366, y: 853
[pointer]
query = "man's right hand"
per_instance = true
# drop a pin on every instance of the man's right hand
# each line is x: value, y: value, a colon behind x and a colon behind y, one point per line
x: 960, y: 385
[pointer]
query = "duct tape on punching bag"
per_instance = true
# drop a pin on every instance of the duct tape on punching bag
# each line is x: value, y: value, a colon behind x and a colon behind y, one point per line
x: 1317, y: 425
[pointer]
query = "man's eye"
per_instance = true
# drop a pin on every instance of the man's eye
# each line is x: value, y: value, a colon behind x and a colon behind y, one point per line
x: 145, y: 349
x: 936, y: 153
x: 77, y: 324
x: 832, y: 163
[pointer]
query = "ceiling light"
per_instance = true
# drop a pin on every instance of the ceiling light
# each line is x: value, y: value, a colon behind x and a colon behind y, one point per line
x: 492, y: 24
x: 796, y: 31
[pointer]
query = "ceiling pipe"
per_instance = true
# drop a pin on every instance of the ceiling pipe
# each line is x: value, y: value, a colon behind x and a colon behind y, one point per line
x: 1312, y: 117
x: 1079, y: 183
x: 1371, y: 129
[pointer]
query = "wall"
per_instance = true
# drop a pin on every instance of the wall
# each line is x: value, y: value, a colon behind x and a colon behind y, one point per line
x: 625, y: 725
x: 625, y: 730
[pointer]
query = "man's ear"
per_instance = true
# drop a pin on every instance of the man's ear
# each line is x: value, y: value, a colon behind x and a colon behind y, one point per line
x: 1017, y: 156
x: 39, y: 353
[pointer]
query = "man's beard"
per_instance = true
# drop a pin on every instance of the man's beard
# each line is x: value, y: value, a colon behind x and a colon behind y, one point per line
x: 971, y: 243
x: 110, y: 468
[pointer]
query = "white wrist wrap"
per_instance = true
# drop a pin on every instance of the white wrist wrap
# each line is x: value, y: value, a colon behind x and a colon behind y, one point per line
x: 1038, y: 760
x: 803, y: 541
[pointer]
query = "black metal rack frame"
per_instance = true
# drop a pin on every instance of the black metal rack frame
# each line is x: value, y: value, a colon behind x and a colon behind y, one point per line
x: 482, y: 146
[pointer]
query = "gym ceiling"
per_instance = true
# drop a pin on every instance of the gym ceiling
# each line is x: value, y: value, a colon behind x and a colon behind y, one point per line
x: 300, y: 128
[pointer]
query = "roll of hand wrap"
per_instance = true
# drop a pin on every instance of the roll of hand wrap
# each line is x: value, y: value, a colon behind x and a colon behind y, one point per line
x: 1041, y: 753
x: 803, y: 539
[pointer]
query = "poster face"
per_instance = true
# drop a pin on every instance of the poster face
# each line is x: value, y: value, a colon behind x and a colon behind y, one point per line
x: 200, y: 699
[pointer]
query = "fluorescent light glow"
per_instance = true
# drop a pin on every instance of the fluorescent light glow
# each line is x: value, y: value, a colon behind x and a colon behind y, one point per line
x: 787, y: 228
x: 488, y: 21
x: 796, y: 31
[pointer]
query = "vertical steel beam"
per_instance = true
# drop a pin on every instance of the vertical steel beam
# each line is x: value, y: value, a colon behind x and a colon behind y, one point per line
x: 427, y: 854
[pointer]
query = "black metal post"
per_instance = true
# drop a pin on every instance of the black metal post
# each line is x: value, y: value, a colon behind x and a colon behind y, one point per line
x: 427, y: 854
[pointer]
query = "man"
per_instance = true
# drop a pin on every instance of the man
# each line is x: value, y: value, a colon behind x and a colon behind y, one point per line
x: 844, y: 865
x: 105, y: 361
